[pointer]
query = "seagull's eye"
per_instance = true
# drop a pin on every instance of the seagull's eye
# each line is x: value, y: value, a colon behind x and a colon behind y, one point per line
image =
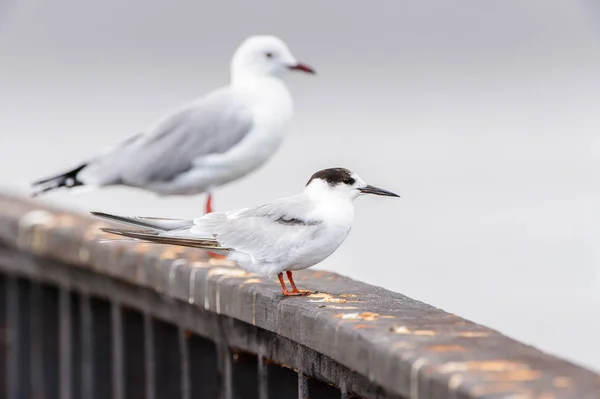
x: 349, y: 181
x: 269, y: 55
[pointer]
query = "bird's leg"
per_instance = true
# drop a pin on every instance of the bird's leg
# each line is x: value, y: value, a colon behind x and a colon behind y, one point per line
x: 208, y: 208
x: 295, y: 290
x: 284, y: 290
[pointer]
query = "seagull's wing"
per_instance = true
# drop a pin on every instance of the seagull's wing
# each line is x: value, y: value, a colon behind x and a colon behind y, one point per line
x: 266, y: 233
x: 211, y: 125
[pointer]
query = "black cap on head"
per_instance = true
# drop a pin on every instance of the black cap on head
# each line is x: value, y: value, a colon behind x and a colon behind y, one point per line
x: 334, y: 176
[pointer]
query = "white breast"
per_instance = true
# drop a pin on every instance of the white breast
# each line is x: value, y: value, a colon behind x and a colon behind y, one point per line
x: 272, y: 110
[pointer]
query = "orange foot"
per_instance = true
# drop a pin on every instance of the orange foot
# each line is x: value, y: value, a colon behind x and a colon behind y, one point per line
x: 295, y: 291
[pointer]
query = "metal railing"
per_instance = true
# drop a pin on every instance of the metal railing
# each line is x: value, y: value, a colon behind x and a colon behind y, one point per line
x: 82, y: 319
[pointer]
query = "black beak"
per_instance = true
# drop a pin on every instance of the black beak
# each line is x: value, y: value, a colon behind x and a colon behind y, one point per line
x: 377, y: 191
x: 303, y: 68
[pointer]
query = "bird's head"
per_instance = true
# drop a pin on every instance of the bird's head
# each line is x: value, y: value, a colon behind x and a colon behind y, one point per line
x: 264, y: 55
x: 344, y: 183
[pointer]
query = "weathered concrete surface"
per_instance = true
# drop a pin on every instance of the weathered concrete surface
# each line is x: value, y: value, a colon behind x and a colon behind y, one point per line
x: 405, y: 346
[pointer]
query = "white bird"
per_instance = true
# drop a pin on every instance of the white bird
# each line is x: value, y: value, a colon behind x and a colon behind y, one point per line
x: 285, y: 235
x: 209, y: 142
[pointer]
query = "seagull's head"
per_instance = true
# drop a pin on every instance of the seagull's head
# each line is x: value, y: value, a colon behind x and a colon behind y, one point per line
x: 260, y: 56
x: 344, y: 183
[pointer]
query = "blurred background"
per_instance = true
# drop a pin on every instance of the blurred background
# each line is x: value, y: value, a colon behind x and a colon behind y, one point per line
x: 484, y: 116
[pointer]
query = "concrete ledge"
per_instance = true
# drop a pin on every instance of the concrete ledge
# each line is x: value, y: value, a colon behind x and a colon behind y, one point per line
x: 405, y: 346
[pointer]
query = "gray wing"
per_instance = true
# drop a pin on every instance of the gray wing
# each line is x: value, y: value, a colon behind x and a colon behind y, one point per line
x: 212, y: 125
x: 267, y: 232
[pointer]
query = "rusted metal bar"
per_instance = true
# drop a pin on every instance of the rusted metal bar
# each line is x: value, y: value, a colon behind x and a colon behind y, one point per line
x: 149, y: 355
x: 117, y: 351
x: 351, y: 338
x: 86, y: 350
x: 65, y: 344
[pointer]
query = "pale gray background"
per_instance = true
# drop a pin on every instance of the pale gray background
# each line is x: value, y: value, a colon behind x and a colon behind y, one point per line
x: 483, y: 115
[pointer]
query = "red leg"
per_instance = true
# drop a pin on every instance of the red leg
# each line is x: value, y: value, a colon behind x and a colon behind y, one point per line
x: 295, y: 290
x: 284, y: 290
x: 208, y: 208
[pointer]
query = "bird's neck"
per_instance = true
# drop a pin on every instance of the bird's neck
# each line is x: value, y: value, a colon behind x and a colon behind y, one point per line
x: 337, y: 207
x: 245, y: 76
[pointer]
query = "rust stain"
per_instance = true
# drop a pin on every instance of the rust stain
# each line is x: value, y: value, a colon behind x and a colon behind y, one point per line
x: 562, y: 382
x: 514, y: 375
x: 228, y: 272
x: 323, y: 297
x: 171, y: 252
x: 142, y: 247
x: 405, y: 331
x: 474, y: 334
x: 517, y: 391
x: 365, y: 316
x: 447, y: 348
x: 362, y: 326
x: 348, y: 295
x: 221, y: 262
x: 488, y: 365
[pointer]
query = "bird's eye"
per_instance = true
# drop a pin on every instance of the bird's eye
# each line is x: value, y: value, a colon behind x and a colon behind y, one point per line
x: 269, y: 55
x: 349, y: 181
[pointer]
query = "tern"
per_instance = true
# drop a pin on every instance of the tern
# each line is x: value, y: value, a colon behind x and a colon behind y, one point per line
x: 285, y: 235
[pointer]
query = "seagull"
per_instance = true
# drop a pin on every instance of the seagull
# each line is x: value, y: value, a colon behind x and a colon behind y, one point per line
x: 208, y: 142
x: 288, y: 234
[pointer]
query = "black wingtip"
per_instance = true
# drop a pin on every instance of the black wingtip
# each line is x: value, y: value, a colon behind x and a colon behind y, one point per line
x: 68, y: 179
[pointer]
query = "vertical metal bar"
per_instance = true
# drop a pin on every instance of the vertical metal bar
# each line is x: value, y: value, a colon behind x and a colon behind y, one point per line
x: 3, y: 337
x: 344, y: 391
x: 75, y: 345
x: 23, y: 329
x: 149, y: 350
x: 35, y: 343
x: 185, y: 364
x: 86, y: 348
x: 12, y: 313
x: 302, y: 386
x: 225, y: 371
x: 48, y: 305
x: 263, y: 379
x: 117, y: 351
x: 65, y: 339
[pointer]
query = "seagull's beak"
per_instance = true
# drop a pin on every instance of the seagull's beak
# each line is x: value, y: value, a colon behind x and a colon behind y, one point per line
x: 377, y: 191
x: 303, y: 68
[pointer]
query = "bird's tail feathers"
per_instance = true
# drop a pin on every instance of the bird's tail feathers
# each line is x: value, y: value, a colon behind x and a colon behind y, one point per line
x: 162, y: 224
x: 68, y: 179
x: 152, y: 236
